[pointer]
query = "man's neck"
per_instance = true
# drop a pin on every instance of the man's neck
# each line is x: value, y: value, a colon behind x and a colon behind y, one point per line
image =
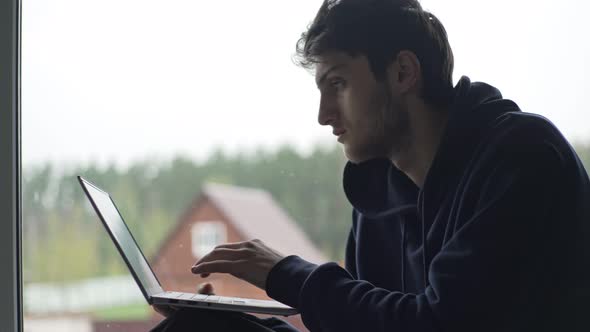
x: 427, y: 126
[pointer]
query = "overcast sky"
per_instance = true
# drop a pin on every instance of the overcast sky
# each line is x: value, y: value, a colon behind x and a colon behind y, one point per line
x: 124, y: 80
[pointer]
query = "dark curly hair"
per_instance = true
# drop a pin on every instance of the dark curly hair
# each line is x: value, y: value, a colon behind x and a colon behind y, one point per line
x: 380, y: 29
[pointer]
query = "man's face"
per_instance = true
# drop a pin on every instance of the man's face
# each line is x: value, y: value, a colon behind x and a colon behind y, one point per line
x: 367, y: 116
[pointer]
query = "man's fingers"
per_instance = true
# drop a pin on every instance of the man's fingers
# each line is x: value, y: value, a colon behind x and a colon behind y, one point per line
x: 233, y: 245
x: 250, y: 244
x: 218, y: 266
x: 206, y: 288
x: 225, y: 254
x: 221, y: 266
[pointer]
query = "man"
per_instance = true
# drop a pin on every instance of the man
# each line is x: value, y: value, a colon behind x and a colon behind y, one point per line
x: 469, y: 215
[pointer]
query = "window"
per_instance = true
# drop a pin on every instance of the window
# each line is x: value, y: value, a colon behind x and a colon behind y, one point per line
x: 206, y: 235
x: 150, y: 102
x: 150, y: 107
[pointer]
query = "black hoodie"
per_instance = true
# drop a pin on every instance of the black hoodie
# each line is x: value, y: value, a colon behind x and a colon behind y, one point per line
x: 497, y: 239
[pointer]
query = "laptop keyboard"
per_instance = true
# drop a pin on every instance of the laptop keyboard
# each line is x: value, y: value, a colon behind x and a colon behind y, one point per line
x: 215, y: 298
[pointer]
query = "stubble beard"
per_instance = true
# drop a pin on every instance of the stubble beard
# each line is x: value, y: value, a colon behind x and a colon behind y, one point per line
x: 390, y: 122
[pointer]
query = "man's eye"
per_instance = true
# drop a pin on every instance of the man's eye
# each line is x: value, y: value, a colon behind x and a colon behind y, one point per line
x: 337, y: 83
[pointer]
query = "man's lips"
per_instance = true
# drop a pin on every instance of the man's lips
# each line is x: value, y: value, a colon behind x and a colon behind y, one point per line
x: 338, y: 132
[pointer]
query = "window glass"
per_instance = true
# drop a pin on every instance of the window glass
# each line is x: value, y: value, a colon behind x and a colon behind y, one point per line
x: 153, y: 101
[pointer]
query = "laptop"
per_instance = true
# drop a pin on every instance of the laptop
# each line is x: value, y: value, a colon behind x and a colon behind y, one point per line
x: 144, y: 276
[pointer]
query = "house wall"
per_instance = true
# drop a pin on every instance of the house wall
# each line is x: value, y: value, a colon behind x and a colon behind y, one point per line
x: 173, y: 262
x: 176, y: 258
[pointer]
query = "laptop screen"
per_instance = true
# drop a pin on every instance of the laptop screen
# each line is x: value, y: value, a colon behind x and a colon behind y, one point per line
x: 120, y: 234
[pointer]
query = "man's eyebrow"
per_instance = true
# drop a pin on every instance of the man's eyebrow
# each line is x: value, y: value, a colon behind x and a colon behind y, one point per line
x: 325, y: 74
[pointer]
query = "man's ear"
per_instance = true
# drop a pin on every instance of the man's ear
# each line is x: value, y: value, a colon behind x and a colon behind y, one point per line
x: 405, y: 72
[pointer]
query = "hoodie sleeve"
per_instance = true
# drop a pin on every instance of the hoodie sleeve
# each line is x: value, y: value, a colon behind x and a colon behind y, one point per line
x: 476, y: 280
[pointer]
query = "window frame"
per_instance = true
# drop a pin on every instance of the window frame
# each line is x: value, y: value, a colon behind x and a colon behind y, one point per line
x: 10, y: 167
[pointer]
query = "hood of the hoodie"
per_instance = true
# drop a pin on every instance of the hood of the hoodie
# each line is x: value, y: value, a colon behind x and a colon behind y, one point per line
x: 377, y: 187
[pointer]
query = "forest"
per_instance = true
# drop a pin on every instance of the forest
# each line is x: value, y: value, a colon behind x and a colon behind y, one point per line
x: 63, y: 240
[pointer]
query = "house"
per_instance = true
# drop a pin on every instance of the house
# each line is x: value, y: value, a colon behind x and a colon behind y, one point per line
x: 221, y: 214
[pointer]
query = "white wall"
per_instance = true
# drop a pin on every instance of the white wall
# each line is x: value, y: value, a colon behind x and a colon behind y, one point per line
x: 81, y: 296
x: 58, y: 324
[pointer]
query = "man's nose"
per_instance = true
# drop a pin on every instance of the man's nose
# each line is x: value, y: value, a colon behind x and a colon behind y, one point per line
x: 327, y: 112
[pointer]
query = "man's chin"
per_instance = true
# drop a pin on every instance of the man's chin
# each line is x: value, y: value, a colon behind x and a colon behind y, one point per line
x: 356, y: 155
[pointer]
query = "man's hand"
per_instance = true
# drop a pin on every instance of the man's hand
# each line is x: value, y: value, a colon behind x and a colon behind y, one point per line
x: 206, y: 288
x: 250, y: 261
x: 164, y: 310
